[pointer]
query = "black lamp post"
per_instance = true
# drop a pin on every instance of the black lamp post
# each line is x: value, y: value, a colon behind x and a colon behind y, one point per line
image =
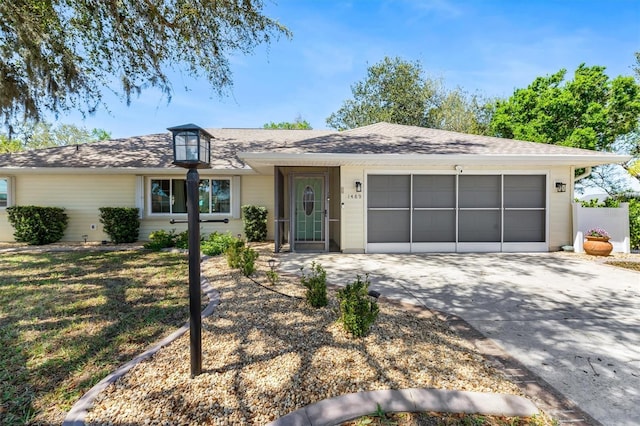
x: 192, y: 150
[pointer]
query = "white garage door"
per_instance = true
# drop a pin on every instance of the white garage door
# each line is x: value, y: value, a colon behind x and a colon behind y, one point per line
x: 448, y: 213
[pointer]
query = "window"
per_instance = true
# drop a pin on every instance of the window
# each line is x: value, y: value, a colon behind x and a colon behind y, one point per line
x: 4, y: 192
x: 170, y: 196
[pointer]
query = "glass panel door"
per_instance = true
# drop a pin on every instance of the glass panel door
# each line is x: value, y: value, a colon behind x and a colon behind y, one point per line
x: 309, y: 209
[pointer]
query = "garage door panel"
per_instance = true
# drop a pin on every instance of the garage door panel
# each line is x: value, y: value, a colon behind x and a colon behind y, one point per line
x: 479, y: 226
x: 390, y: 191
x: 524, y: 226
x: 434, y: 191
x: 388, y: 226
x: 434, y: 226
x: 525, y: 191
x: 479, y: 191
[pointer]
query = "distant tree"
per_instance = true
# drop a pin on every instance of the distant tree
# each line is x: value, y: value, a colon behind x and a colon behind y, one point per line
x: 394, y: 90
x: 460, y: 111
x: 397, y: 91
x: 58, y: 55
x: 9, y: 145
x: 45, y: 135
x: 590, y: 111
x: 298, y: 124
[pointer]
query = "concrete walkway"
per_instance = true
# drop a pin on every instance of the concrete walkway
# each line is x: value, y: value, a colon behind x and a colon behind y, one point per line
x: 575, y: 323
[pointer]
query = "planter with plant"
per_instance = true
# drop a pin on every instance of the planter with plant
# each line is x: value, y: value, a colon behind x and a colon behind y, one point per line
x: 597, y: 242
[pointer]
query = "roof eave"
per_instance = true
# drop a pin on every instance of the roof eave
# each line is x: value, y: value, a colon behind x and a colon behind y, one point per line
x: 261, y: 162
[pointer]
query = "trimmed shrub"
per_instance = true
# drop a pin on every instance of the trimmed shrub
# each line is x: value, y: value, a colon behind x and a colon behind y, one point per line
x: 357, y: 310
x: 182, y: 240
x: 37, y: 225
x: 234, y: 253
x: 316, y: 284
x: 161, y: 239
x: 248, y: 258
x: 122, y: 224
x: 255, y: 222
x: 217, y: 243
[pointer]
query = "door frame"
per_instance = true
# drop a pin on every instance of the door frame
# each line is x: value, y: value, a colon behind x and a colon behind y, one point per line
x: 292, y: 207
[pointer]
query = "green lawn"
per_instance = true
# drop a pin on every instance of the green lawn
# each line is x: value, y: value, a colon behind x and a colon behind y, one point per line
x: 69, y: 319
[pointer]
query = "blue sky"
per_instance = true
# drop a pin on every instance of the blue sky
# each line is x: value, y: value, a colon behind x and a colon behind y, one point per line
x: 487, y: 46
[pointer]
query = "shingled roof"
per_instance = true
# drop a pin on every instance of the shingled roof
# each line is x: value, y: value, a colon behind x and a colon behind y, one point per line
x: 243, y: 149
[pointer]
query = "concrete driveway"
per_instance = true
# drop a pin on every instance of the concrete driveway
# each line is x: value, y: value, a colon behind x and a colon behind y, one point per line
x: 575, y: 323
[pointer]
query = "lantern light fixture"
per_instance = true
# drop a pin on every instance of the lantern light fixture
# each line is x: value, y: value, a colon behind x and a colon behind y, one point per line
x: 358, y: 185
x: 191, y: 146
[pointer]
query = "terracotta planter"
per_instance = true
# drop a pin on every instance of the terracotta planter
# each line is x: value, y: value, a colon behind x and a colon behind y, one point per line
x: 598, y: 246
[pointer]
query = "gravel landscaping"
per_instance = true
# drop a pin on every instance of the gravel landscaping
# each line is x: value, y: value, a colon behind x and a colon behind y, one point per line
x: 266, y: 354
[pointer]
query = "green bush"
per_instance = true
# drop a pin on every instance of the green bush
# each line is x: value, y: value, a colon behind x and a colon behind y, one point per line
x: 37, y: 225
x: 161, y: 239
x: 234, y: 253
x: 122, y: 224
x: 182, y: 240
x: 634, y: 222
x: 316, y: 284
x: 634, y: 218
x: 248, y: 258
x: 255, y: 222
x: 357, y: 309
x: 217, y: 243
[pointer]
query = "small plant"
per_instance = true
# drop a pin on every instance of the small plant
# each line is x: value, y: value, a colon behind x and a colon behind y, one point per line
x: 122, y: 224
x: 234, y: 253
x: 316, y: 284
x: 248, y: 258
x: 357, y: 310
x: 161, y: 239
x: 597, y: 232
x: 37, y: 225
x: 182, y: 240
x: 217, y: 243
x: 255, y: 222
x: 273, y: 277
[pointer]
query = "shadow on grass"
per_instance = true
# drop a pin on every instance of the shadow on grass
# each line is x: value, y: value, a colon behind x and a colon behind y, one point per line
x: 68, y: 319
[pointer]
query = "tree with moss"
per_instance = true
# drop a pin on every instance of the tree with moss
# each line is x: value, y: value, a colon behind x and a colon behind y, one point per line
x: 60, y: 55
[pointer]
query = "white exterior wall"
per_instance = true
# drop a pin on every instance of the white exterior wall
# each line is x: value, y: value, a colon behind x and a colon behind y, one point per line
x: 80, y: 195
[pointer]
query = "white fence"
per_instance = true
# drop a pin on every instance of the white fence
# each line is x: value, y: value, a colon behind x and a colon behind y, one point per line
x: 614, y: 220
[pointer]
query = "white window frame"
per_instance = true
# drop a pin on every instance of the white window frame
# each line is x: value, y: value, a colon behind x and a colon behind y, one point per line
x: 233, y: 183
x: 10, y: 191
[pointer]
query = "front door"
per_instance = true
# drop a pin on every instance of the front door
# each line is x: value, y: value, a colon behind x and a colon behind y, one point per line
x: 310, y: 213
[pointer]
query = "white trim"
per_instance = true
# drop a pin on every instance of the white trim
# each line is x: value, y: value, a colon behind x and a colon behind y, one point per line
x: 388, y: 248
x: 236, y: 199
x: 140, y: 196
x: 525, y: 247
x: 10, y: 191
x: 479, y: 247
x: 433, y: 247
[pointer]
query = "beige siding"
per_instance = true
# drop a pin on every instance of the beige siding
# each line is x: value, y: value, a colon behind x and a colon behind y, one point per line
x: 353, y: 210
x: 81, y: 196
x: 560, y: 219
x: 258, y: 191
